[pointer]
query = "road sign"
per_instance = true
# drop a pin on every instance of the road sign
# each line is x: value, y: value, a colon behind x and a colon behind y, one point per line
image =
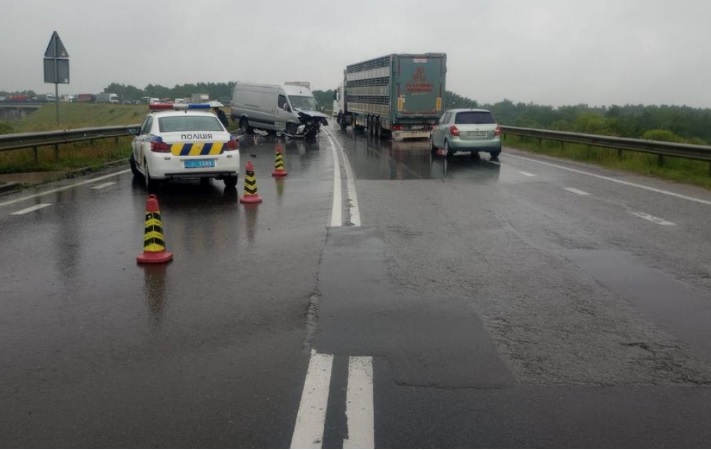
x: 56, y: 49
x: 56, y: 61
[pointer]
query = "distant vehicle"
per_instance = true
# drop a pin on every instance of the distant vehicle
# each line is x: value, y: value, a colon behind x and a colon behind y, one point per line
x: 85, y: 98
x: 397, y: 93
x: 467, y: 130
x: 18, y: 98
x: 46, y: 98
x: 200, y: 98
x: 275, y: 109
x: 105, y: 97
x: 184, y: 141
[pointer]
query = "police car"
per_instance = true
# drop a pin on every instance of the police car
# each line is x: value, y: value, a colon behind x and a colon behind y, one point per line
x: 184, y: 141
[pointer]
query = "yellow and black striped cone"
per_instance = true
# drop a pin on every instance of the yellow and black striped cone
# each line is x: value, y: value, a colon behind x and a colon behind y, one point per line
x: 153, y: 241
x: 250, y: 186
x: 279, y: 166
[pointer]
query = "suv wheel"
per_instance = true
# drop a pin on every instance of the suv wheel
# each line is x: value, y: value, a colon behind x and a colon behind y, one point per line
x: 448, y: 151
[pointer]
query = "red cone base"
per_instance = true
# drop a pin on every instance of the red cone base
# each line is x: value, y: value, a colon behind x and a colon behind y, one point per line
x: 154, y: 257
x: 250, y: 198
x: 279, y: 173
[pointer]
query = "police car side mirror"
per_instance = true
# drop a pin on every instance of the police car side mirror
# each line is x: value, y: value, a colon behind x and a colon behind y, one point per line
x: 133, y: 131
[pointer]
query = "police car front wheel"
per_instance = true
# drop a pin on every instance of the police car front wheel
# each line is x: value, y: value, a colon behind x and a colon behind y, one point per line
x: 230, y: 181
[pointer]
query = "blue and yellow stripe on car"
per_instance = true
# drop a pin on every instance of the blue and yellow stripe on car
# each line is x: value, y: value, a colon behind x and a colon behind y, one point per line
x: 197, y: 148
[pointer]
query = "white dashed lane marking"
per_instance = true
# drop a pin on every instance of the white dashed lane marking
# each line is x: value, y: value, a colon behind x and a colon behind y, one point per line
x: 576, y: 191
x: 651, y: 218
x: 30, y: 209
x: 528, y: 174
x: 101, y: 186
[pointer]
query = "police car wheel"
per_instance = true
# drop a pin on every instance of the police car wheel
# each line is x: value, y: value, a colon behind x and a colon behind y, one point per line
x: 134, y: 169
x: 230, y: 181
x: 151, y: 184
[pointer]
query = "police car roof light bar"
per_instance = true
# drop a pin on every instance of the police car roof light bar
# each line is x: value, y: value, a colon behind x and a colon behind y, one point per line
x: 178, y: 106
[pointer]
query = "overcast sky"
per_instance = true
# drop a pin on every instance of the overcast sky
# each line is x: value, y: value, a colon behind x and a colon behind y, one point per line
x: 552, y: 52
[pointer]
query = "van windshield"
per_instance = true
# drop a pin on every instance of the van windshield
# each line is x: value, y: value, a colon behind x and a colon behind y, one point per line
x: 303, y: 102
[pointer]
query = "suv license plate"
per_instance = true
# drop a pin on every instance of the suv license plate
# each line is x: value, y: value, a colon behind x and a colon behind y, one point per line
x: 199, y: 163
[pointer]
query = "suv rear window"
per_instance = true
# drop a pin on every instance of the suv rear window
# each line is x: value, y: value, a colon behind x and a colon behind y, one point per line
x: 472, y: 117
x: 189, y: 123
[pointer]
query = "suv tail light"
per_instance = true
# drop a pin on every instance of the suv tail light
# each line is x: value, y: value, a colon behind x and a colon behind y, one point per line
x: 497, y: 132
x: 158, y: 146
x: 232, y: 144
x: 453, y: 130
x: 396, y: 127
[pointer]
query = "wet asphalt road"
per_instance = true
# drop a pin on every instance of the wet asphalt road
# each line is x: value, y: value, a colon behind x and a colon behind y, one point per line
x: 526, y: 303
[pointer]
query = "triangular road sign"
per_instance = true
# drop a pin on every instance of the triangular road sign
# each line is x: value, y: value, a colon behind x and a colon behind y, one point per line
x: 56, y: 49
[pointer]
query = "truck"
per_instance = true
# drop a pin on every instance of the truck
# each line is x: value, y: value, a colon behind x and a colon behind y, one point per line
x: 397, y: 94
x: 106, y: 97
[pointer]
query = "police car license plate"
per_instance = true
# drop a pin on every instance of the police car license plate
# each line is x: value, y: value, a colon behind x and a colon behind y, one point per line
x: 199, y: 163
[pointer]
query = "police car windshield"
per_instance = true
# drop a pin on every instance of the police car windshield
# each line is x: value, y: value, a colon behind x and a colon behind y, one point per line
x: 303, y: 102
x: 189, y: 123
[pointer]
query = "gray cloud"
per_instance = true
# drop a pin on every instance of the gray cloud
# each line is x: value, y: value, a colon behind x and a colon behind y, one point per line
x: 553, y: 52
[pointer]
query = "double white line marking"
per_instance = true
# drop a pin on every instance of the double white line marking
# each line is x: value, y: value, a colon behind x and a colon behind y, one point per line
x: 311, y: 418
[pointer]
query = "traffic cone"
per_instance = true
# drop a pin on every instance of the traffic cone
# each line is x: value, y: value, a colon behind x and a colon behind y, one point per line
x: 250, y: 186
x: 153, y: 241
x: 279, y: 166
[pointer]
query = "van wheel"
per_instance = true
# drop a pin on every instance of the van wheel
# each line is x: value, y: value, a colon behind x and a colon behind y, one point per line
x: 244, y: 126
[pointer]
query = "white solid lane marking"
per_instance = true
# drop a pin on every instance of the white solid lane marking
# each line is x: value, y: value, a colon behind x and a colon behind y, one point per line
x: 576, y: 191
x: 528, y: 174
x: 336, y: 215
x: 30, y: 209
x: 359, y: 403
x: 101, y: 186
x: 626, y: 183
x: 651, y: 218
x: 353, y: 208
x: 63, y: 188
x: 311, y: 418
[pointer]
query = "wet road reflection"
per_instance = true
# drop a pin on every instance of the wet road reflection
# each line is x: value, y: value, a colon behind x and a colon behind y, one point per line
x: 374, y: 159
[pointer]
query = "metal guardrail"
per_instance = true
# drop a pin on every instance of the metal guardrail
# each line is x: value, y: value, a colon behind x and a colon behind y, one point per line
x: 46, y: 138
x: 659, y: 148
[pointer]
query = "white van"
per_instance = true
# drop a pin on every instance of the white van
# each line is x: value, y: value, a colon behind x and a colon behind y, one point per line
x: 274, y: 108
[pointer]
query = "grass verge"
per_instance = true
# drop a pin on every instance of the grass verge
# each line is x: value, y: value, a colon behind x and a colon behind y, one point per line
x: 676, y: 169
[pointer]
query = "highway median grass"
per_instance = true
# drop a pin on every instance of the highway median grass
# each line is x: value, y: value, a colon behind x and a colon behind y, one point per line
x: 78, y: 155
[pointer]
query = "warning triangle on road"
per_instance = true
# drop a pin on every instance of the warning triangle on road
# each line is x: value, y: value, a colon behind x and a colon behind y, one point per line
x: 56, y: 49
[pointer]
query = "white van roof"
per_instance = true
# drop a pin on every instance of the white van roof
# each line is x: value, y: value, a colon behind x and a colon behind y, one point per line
x: 297, y: 90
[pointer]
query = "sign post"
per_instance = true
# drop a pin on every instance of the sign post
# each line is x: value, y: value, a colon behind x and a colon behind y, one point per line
x: 56, y: 67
